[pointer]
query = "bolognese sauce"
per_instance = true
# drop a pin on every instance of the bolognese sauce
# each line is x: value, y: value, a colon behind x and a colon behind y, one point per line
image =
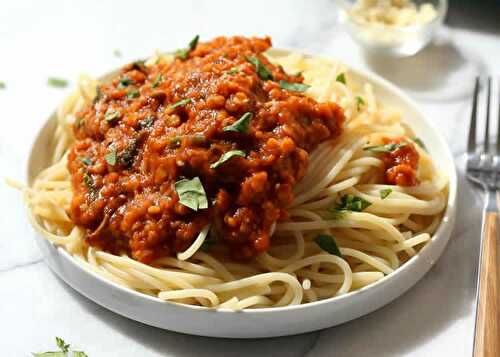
x: 218, y: 136
x: 401, y: 164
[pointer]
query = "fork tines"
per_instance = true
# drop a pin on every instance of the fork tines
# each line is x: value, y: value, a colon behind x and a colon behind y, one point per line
x: 482, y: 157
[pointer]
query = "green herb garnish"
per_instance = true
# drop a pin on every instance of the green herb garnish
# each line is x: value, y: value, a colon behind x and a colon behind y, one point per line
x: 124, y: 82
x: 241, y: 125
x: 384, y: 148
x: 419, y: 142
x: 226, y: 156
x: 64, y: 349
x: 181, y: 103
x: 294, y: 87
x: 353, y: 203
x: 183, y: 53
x: 341, y: 78
x: 57, y: 82
x: 328, y: 244
x: 88, y: 180
x: 133, y: 93
x: 3, y: 85
x: 139, y: 65
x: 359, y: 102
x: 157, y: 81
x: 233, y: 70
x: 112, y: 115
x: 85, y: 160
x: 385, y: 192
x: 110, y: 158
x: 262, y: 71
x: 191, y: 193
x: 126, y: 158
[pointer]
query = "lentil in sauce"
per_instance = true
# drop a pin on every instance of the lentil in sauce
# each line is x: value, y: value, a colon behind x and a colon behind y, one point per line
x: 152, y: 126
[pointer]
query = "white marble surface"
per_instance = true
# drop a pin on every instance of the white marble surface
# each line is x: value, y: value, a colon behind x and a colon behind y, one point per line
x: 39, y: 39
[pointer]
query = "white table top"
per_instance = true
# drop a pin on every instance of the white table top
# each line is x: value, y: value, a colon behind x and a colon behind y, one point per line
x: 39, y: 39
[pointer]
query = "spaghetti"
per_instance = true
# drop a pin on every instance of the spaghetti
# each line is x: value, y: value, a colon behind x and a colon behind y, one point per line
x: 343, y: 197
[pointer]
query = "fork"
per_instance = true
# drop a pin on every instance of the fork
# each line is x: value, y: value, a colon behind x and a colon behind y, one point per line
x: 483, y: 169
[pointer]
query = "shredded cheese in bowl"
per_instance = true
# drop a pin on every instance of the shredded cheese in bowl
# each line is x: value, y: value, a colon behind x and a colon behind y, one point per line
x: 393, y: 13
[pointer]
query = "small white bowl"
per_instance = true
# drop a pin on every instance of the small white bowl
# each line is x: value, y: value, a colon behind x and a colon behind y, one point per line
x: 392, y: 41
x: 268, y: 322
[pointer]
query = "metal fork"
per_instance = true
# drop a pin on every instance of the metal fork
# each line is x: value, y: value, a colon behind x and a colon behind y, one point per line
x: 483, y: 169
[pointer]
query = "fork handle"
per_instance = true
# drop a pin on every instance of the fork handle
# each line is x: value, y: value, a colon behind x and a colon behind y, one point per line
x: 487, y: 336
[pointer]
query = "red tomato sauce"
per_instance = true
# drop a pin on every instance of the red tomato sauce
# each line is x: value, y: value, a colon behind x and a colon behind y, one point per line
x: 401, y: 164
x: 132, y: 147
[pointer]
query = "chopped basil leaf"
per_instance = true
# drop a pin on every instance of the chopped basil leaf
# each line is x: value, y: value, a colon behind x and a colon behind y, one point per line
x: 261, y: 70
x: 328, y: 244
x: 181, y: 103
x: 63, y: 346
x: 133, y: 93
x: 184, y: 52
x: 85, y: 160
x: 124, y: 82
x: 64, y: 350
x: 385, y: 192
x: 384, y: 148
x: 341, y: 78
x: 191, y: 193
x: 112, y: 115
x: 298, y: 74
x: 3, y: 85
x: 353, y: 203
x: 88, y: 180
x: 157, y: 81
x: 359, y: 102
x: 233, y: 70
x: 295, y: 87
x: 241, y: 125
x: 57, y: 82
x: 226, y: 156
x: 110, y: 158
x: 126, y: 158
x: 117, y: 52
x: 419, y: 142
x: 139, y: 65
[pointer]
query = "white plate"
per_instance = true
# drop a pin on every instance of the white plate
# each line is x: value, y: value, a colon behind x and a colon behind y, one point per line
x: 268, y: 322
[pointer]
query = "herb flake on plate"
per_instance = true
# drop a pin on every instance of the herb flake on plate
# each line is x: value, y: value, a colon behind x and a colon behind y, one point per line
x: 57, y: 82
